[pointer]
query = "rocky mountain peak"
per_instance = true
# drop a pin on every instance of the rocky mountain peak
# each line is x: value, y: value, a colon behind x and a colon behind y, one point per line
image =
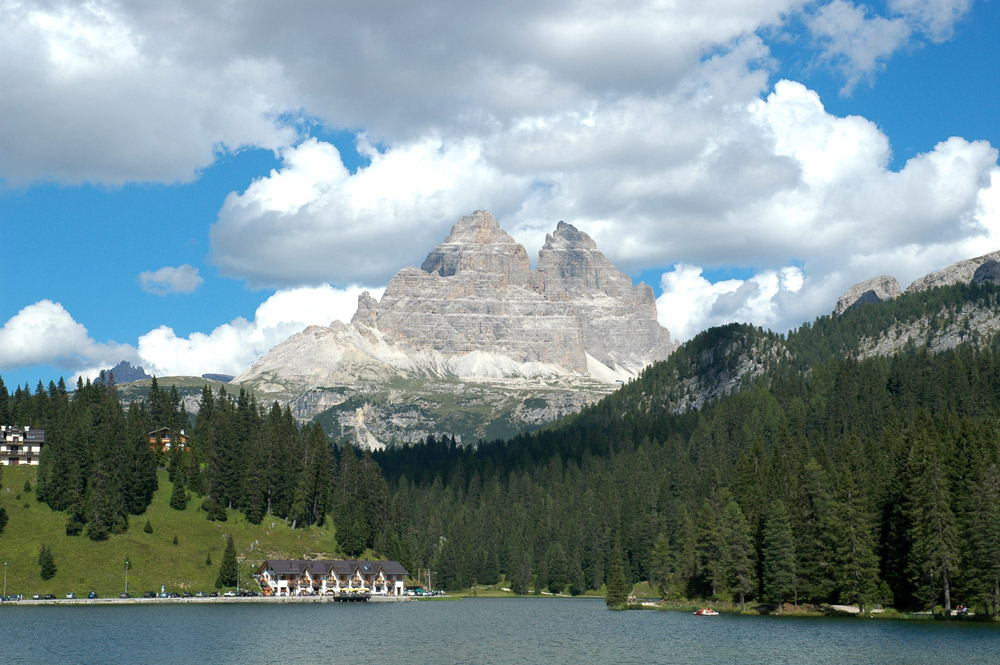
x: 877, y: 289
x: 476, y: 312
x: 956, y: 273
x: 477, y: 243
x: 570, y: 261
x: 566, y: 236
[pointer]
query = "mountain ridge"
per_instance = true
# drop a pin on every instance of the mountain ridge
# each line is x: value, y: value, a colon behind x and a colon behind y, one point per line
x: 475, y: 312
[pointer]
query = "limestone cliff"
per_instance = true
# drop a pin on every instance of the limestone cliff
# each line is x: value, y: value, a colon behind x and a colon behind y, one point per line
x: 877, y: 289
x: 475, y: 311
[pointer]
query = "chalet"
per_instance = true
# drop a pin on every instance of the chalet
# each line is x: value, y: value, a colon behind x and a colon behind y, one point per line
x: 20, y: 445
x: 297, y: 577
x: 162, y: 439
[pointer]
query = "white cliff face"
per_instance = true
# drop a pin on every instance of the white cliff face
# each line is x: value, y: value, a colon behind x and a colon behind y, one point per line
x: 877, y: 289
x: 476, y: 311
x: 957, y: 273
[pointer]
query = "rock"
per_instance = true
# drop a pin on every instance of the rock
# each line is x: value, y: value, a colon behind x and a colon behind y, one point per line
x: 962, y: 272
x: 476, y: 311
x: 877, y: 289
x: 987, y: 273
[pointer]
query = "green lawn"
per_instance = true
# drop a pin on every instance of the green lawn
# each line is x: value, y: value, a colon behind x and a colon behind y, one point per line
x: 154, y: 560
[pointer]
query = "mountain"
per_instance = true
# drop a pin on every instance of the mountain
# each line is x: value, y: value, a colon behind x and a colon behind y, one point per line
x: 474, y: 343
x: 856, y: 455
x: 125, y: 372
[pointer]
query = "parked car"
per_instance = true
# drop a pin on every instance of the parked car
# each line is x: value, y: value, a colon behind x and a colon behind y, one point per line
x: 71, y: 596
x: 149, y: 594
x: 214, y: 594
x: 92, y: 594
x: 50, y: 596
x: 37, y: 596
x: 125, y: 595
x: 186, y: 594
x: 200, y: 594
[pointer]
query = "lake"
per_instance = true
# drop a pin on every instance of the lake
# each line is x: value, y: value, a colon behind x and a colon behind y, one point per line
x: 486, y: 631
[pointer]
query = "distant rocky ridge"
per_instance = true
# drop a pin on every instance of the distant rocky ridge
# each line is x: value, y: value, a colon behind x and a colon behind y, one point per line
x: 981, y: 269
x: 948, y: 328
x: 125, y: 372
x: 475, y: 313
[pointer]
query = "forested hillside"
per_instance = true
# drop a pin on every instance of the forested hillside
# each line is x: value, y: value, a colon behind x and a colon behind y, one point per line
x: 872, y: 481
x: 748, y: 466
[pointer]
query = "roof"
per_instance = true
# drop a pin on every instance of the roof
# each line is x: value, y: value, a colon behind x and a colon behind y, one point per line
x: 322, y: 567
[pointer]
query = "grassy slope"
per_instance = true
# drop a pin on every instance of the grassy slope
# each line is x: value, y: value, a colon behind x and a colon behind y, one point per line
x: 154, y: 560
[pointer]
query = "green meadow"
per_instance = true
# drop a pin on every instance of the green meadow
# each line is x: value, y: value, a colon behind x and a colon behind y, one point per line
x: 154, y: 560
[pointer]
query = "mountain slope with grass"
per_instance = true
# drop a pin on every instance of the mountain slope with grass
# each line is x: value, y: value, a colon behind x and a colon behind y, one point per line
x: 83, y: 565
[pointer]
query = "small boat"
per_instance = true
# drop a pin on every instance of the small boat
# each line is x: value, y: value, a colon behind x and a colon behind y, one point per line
x: 706, y: 612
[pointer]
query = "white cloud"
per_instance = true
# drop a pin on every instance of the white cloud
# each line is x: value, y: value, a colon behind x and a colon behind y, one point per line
x: 45, y: 333
x: 232, y: 347
x: 110, y: 92
x: 858, y: 42
x: 690, y: 303
x: 314, y: 222
x: 166, y: 280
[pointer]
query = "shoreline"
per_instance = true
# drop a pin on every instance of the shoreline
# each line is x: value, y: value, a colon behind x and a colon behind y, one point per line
x: 31, y: 602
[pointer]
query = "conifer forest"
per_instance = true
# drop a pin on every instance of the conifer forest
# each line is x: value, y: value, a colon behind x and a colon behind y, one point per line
x: 829, y: 477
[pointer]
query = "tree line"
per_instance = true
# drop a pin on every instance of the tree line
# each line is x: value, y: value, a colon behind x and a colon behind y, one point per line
x: 868, y: 482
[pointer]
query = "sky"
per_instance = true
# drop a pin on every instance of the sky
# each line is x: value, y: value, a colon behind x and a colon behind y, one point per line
x: 183, y: 185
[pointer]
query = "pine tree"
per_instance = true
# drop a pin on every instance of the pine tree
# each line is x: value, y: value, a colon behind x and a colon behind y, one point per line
x: 662, y: 566
x: 47, y: 563
x: 148, y: 528
x: 175, y: 539
x: 228, y: 569
x: 738, y: 551
x: 933, y: 532
x: 617, y: 586
x: 779, y: 555
x: 179, y: 495
x: 984, y: 536
x: 853, y: 531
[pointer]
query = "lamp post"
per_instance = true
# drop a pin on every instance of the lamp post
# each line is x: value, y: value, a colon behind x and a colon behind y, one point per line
x: 238, y: 576
x: 126, y: 577
x: 5, y: 580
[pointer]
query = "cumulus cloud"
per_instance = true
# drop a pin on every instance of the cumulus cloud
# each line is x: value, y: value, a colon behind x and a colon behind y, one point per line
x: 690, y: 303
x: 232, y: 347
x: 45, y: 333
x: 166, y: 280
x: 314, y: 222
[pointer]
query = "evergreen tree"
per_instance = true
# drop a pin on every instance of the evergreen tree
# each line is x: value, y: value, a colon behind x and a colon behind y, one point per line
x: 662, y: 566
x: 148, y: 528
x: 47, y: 563
x: 856, y: 564
x: 779, y: 556
x: 179, y: 495
x: 228, y: 569
x: 933, y: 532
x: 738, y: 552
x: 984, y: 537
x: 618, y: 587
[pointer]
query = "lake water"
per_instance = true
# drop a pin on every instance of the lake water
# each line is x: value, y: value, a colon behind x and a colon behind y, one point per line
x: 487, y: 631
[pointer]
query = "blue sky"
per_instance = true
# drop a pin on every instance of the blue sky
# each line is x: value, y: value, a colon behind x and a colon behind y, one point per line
x: 183, y: 186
